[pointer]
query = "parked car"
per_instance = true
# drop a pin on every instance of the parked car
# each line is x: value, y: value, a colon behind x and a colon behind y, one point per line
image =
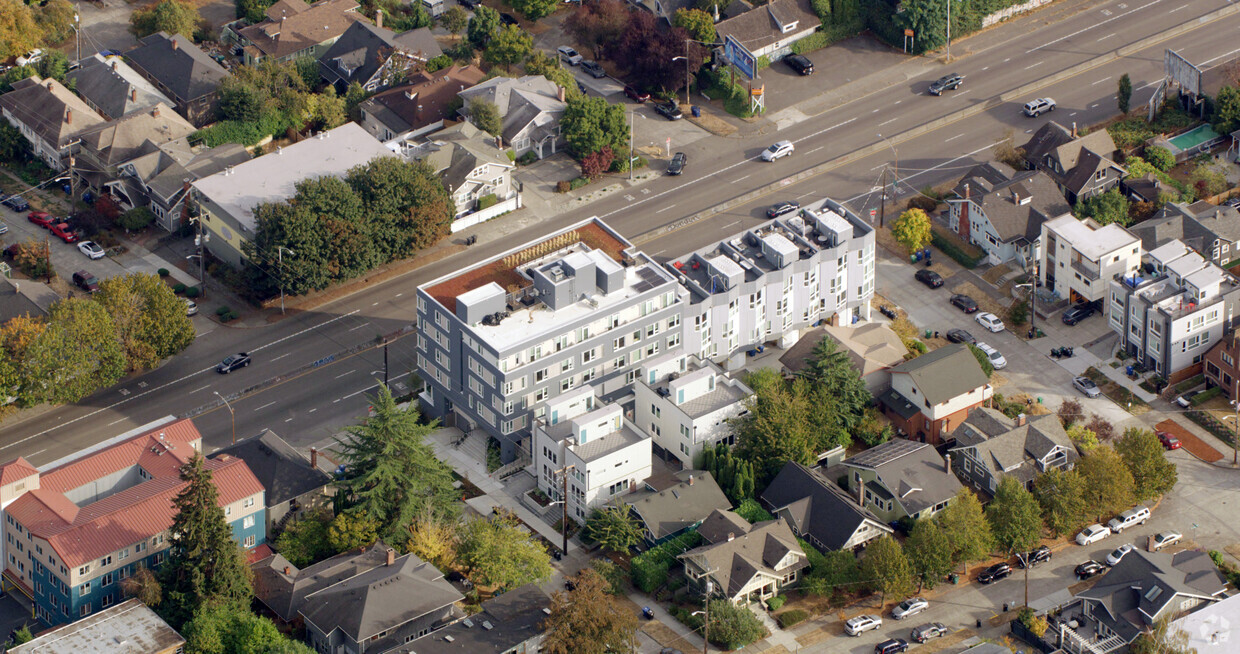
x: 1118, y: 554
x: 946, y: 83
x: 995, y: 573
x: 677, y: 165
x: 990, y: 321
x: 4, y: 229
x: 63, y: 231
x: 778, y: 151
x: 232, y: 362
x: 929, y: 278
x: 1035, y: 108
x: 30, y: 58
x: 1092, y: 534
x: 86, y: 281
x: 91, y: 249
x: 1137, y: 515
x: 469, y: 5
x: 41, y: 218
x: 861, y: 624
x: 964, y: 303
x: 570, y: 55
x: 960, y: 336
x: 508, y: 19
x: 782, y: 208
x: 909, y: 607
x: 1168, y: 441
x: 191, y: 307
x: 1088, y: 569
x: 996, y: 359
x: 596, y: 71
x: 1165, y: 539
x: 1186, y: 400
x: 1077, y: 313
x: 1033, y: 558
x: 669, y: 110
x: 928, y: 631
x: 800, y: 63
x: 891, y: 646
x: 16, y: 203
x: 1086, y: 386
x: 635, y: 95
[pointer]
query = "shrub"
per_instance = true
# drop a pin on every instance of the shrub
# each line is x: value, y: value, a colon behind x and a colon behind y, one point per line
x: 1160, y: 158
x: 947, y: 247
x: 512, y: 156
x: 178, y: 288
x: 753, y: 512
x: 163, y: 272
x: 922, y: 202
x: 527, y: 158
x: 437, y: 63
x: 815, y: 41
x: 192, y: 292
x: 487, y: 201
x: 1206, y: 396
x: 775, y: 603
x: 648, y: 575
x: 563, y: 186
x: 233, y: 315
x: 221, y: 311
x: 577, y: 183
x: 789, y: 619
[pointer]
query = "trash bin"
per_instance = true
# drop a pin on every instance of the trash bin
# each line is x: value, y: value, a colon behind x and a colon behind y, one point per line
x: 1130, y: 370
x: 697, y: 111
x: 929, y: 333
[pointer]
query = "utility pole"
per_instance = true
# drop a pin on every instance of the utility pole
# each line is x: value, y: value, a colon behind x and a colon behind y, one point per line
x: 882, y: 200
x: 280, y: 249
x: 687, y: 71
x: 564, y: 521
x: 949, y: 31
x: 77, y: 31
x: 632, y: 154
x: 385, y: 363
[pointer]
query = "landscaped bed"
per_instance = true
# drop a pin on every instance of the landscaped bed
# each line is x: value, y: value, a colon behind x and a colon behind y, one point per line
x: 1189, y: 441
x: 1125, y: 398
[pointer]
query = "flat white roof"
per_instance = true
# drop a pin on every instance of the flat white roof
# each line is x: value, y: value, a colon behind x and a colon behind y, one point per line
x: 272, y: 177
x: 1093, y: 243
x: 726, y: 265
x: 481, y: 293
x: 780, y: 244
x: 1169, y: 251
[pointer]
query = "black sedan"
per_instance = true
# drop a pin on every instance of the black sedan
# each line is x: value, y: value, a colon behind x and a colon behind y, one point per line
x: 782, y: 208
x: 1040, y: 555
x: 669, y: 110
x: 995, y: 573
x: 677, y: 164
x: 800, y: 63
x: 964, y: 303
x: 1077, y: 314
x: 238, y: 360
x: 1089, y: 569
x: 929, y: 278
x: 960, y: 336
x: 508, y: 19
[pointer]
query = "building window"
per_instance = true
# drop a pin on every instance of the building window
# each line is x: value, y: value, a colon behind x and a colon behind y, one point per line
x: 249, y: 541
x: 247, y: 522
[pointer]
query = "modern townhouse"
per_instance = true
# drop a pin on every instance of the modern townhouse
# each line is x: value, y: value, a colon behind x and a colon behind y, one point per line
x: 772, y: 282
x: 684, y: 404
x: 75, y: 529
x: 1212, y: 230
x: 499, y: 339
x: 600, y: 451
x: 1080, y: 258
x: 1170, y: 316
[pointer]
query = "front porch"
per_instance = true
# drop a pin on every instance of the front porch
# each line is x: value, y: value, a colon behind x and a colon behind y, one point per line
x: 1079, y: 633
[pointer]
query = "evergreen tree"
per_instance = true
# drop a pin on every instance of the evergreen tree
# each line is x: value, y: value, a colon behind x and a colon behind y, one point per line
x: 966, y: 528
x: 1015, y: 517
x: 1123, y: 95
x: 886, y: 567
x: 390, y: 471
x: 831, y: 368
x: 205, y: 565
x: 929, y: 552
x: 614, y: 527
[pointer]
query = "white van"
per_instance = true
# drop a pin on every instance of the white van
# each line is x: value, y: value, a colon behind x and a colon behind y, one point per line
x: 1137, y: 515
x: 434, y: 7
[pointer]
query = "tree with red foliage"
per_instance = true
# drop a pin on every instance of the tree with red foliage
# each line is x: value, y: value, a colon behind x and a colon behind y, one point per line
x: 647, y: 51
x: 107, y: 208
x: 598, y: 24
x: 594, y: 165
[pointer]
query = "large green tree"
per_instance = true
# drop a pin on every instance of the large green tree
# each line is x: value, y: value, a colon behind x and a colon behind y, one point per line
x: 597, y: 25
x: 510, y: 46
x: 150, y: 319
x: 928, y: 20
x: 929, y: 553
x: 304, y: 541
x: 482, y: 27
x: 171, y: 16
x: 885, y: 567
x: 587, y: 619
x: 1123, y: 93
x: 77, y: 353
x: 1227, y: 110
x: 391, y: 473
x: 831, y: 369
x: 699, y: 24
x: 1061, y: 494
x: 233, y: 629
x: 589, y: 124
x: 966, y: 528
x: 1152, y: 473
x: 485, y: 116
x: 19, y: 33
x: 1015, y: 517
x: 205, y: 566
x: 1106, y: 208
x: 776, y: 429
x: 406, y: 204
x: 614, y: 527
x: 1109, y: 487
x: 912, y: 229
x: 497, y: 551
x: 733, y: 627
x: 534, y: 9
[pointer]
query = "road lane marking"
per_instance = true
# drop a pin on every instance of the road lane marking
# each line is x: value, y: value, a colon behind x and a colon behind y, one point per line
x: 1101, y: 80
x: 1035, y: 65
x: 744, y: 178
x: 360, y: 326
x: 1094, y: 105
x: 734, y: 222
x: 264, y: 406
x: 116, y: 421
x: 1071, y: 114
x: 282, y: 356
x: 1105, y: 37
x: 374, y: 304
x: 665, y: 208
x: 1086, y: 29
x: 201, y: 388
x: 288, y: 420
x: 346, y: 373
x: 985, y: 67
x: 398, y: 295
x: 899, y: 101
x: 131, y: 398
x: 879, y: 166
x: 201, y: 334
x: 815, y: 149
x: 888, y: 121
x: 876, y: 110
x: 1172, y: 11
x: 313, y: 410
x: 953, y: 138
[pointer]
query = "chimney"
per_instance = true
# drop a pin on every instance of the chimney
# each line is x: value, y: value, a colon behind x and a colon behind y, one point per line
x: 379, y: 18
x: 560, y: 93
x: 690, y: 480
x: 1015, y: 196
x: 731, y: 536
x: 175, y: 46
x: 1020, y: 420
x: 68, y: 116
x: 287, y: 571
x: 314, y: 457
x: 947, y: 463
x: 114, y: 64
x: 499, y: 143
x: 133, y: 95
x: 50, y: 86
x: 1074, y: 129
x: 963, y: 227
x: 391, y: 556
x: 155, y: 112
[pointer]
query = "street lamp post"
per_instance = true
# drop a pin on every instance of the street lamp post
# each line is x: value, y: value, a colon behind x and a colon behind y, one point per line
x: 1235, y: 432
x: 231, y: 413
x: 280, y: 250
x: 687, y: 71
x: 895, y: 176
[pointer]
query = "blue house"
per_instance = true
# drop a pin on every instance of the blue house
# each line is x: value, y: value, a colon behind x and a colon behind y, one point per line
x: 75, y: 529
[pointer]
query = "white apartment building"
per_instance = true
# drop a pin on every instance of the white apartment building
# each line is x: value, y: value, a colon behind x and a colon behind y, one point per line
x: 602, y: 453
x: 684, y: 404
x: 1080, y: 258
x: 1168, y: 318
x: 771, y: 282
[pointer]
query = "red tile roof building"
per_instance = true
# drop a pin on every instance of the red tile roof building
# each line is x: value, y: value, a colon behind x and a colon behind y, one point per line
x: 75, y: 529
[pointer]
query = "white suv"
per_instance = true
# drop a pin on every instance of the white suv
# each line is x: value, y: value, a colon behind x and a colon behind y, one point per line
x: 570, y: 55
x: 1038, y: 107
x: 778, y: 150
x: 1130, y: 518
x: 862, y: 624
x: 996, y: 359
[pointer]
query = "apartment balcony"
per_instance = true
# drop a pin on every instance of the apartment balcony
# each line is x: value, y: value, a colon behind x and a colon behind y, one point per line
x: 1078, y: 634
x: 1090, y: 273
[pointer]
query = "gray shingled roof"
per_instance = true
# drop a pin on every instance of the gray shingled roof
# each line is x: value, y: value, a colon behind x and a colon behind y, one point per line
x: 113, y: 87
x: 176, y: 63
x: 1016, y: 204
x: 1007, y: 449
x: 913, y: 473
x: 49, y: 109
x: 1126, y: 591
x: 752, y: 549
x: 945, y: 373
x: 816, y: 506
x: 505, y: 622
x: 282, y: 587
x: 280, y: 468
x: 679, y: 507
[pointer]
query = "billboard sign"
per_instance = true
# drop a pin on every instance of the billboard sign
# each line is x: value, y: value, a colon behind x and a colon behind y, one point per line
x: 1182, y: 72
x: 739, y: 56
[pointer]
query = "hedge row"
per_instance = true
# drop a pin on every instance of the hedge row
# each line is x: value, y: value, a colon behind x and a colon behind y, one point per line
x: 947, y: 247
x: 650, y: 568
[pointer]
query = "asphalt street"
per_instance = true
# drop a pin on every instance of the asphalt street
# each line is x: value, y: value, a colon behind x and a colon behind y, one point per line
x: 306, y: 404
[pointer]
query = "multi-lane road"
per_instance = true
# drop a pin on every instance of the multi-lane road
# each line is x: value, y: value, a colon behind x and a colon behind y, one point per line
x: 1074, y: 56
